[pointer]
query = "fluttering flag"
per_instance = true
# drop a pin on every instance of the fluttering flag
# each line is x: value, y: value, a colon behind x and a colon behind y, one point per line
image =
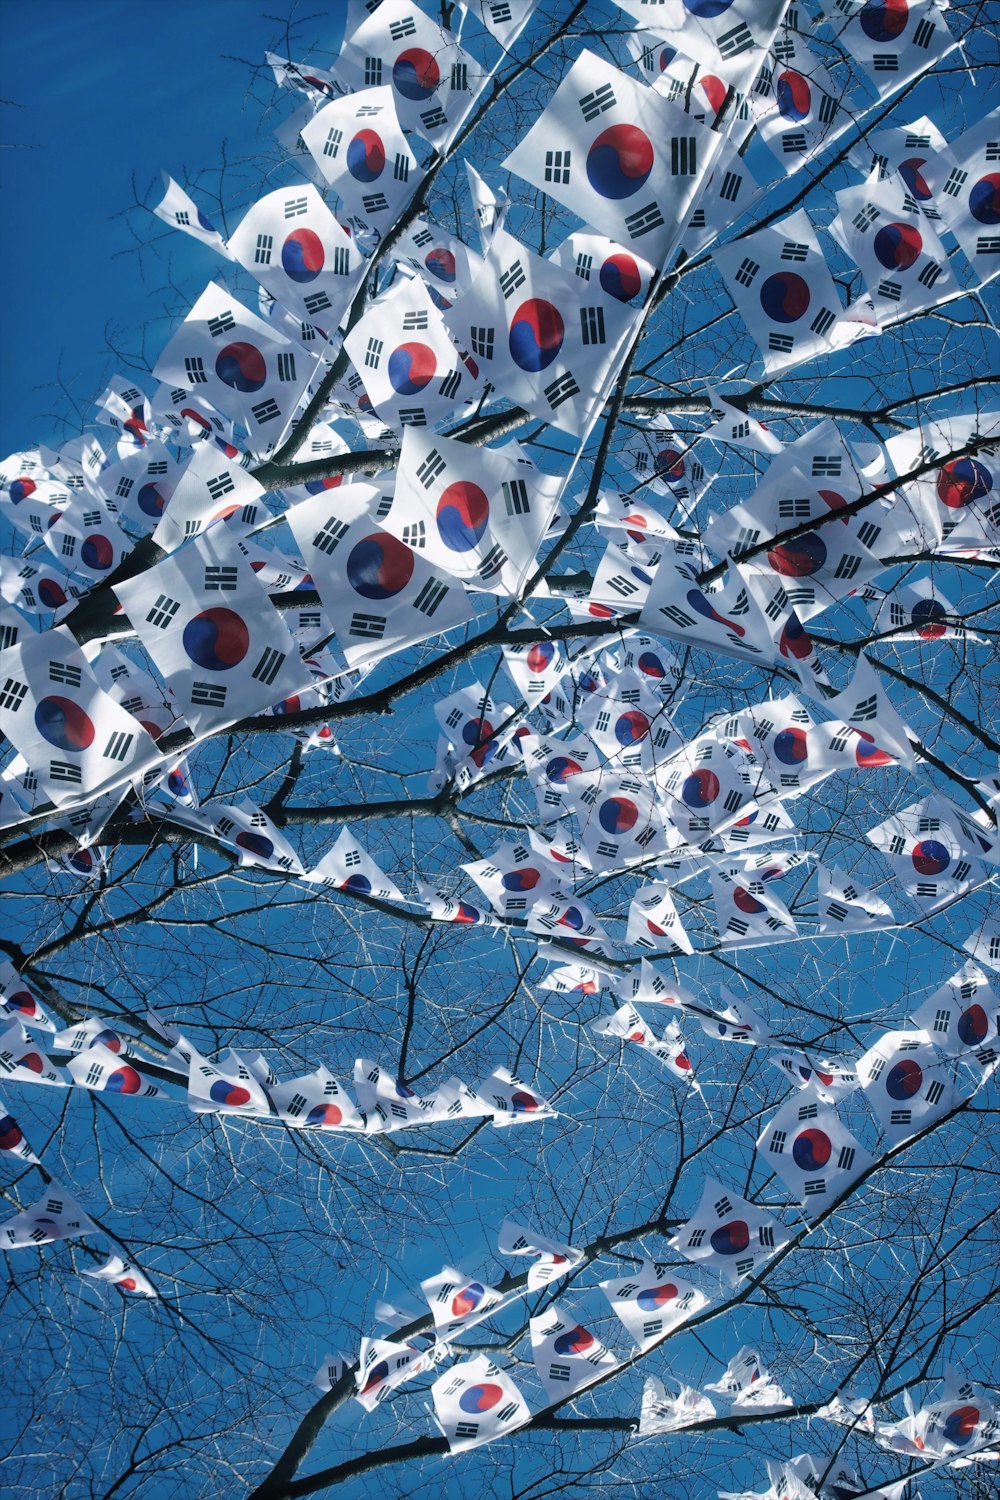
x: 717, y: 619
x: 178, y: 209
x: 125, y: 1276
x: 348, y: 867
x: 383, y: 1366
x: 412, y: 372
x: 513, y: 878
x: 904, y: 264
x: 962, y: 1015
x: 315, y: 1101
x: 654, y: 923
x: 213, y: 633
x: 730, y: 39
x: 784, y: 293
x: 478, y: 514
x: 739, y: 1022
x: 101, y: 1068
x: 291, y: 243
x: 628, y: 1026
x: 567, y: 1356
x: 476, y: 1402
x: 652, y: 1301
x: 458, y: 1302
x: 18, y: 1000
x: 379, y: 594
x: 551, y: 1259
x: 811, y: 1150
x: 747, y: 912
x: 510, y: 1102
x: 545, y: 339
x: 933, y: 855
x: 798, y: 107
x: 894, y: 43
x: 748, y: 1385
x: 306, y: 78
x: 55, y: 1216
x: 434, y: 81
x: 729, y: 1234
x: 333, y: 1368
x: 916, y: 612
x: 907, y: 1083
x: 489, y: 207
x: 13, y: 1144
x: 225, y: 1087
x: 661, y: 1413
x: 844, y: 905
x: 618, y: 154
x: 730, y: 424
x: 362, y: 153
x: 829, y: 1080
x: 956, y: 507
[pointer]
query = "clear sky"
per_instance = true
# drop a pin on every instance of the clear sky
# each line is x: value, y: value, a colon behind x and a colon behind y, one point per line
x: 96, y: 94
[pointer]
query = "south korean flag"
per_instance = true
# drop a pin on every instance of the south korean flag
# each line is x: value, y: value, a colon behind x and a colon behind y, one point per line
x: 719, y: 619
x: 962, y: 1016
x: 56, y: 1216
x: 747, y: 912
x: 710, y: 786
x: 411, y: 370
x: 893, y: 43
x: 907, y: 1083
x: 208, y: 487
x: 784, y: 292
x: 933, y: 856
x: 797, y: 105
x: 622, y: 274
x: 660, y: 1413
x: 475, y: 1403
x: 358, y: 145
x: 476, y: 513
x: 652, y: 1301
x: 956, y: 505
x: 434, y: 82
x: 541, y: 336
x: 247, y: 829
x: 291, y: 243
x: 510, y: 1102
x: 124, y: 1275
x: 904, y: 264
x: 458, y: 1302
x: 620, y: 821
x: 911, y: 150
x: 23, y: 1060
x: 102, y: 1069
x: 382, y: 1366
x: 555, y: 768
x: 552, y: 1259
x: 513, y: 878
x: 828, y: 1079
x: 536, y: 670
x: 380, y: 596
x: 12, y: 1140
x: 178, y: 209
x: 239, y: 363
x: 654, y: 924
x: 811, y: 1151
x: 618, y: 154
x: 348, y: 867
x: 567, y: 1356
x: 844, y: 905
x: 77, y: 741
x: 965, y: 183
x: 316, y: 1101
x: 729, y: 37
x: 212, y: 632
x: 228, y: 1087
x: 729, y: 1234
x: 443, y: 261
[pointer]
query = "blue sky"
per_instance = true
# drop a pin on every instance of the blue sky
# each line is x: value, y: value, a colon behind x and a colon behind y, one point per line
x: 95, y: 95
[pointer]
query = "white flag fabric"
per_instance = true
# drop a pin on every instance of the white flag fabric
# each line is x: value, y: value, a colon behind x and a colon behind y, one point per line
x: 384, y: 1365
x: 489, y: 207
x: 291, y: 243
x: 618, y: 154
x: 893, y: 43
x: 227, y: 1087
x: 458, y: 1302
x: 434, y: 82
x: 12, y: 1140
x: 907, y: 1083
x: 748, y: 1384
x: 510, y: 1102
x: 811, y: 1150
x: 315, y: 1101
x: 661, y: 1413
x: 654, y: 923
x: 379, y: 594
x: 512, y: 878
x: 716, y: 619
x: 362, y: 153
x: 844, y: 905
x: 904, y: 264
x: 178, y: 209
x: 544, y: 338
x: 829, y: 1080
x: 551, y: 1258
x: 76, y: 740
x: 729, y: 38
x: 955, y: 506
x: 124, y: 1275
x: 933, y: 855
x: 242, y: 365
x: 18, y: 999
x: 348, y: 867
x: 797, y: 105
x: 56, y: 1216
x: 213, y: 633
x: 100, y: 1068
x: 917, y: 612
x: 24, y: 1060
x: 248, y: 830
x: 622, y: 274
x: 653, y: 1301
x: 963, y: 1014
x: 332, y: 1370
x: 969, y: 196
x: 730, y: 424
x: 567, y: 1356
x: 478, y: 514
x: 411, y: 370
x: 747, y: 911
x: 729, y: 1234
x: 476, y: 1402
x: 784, y: 292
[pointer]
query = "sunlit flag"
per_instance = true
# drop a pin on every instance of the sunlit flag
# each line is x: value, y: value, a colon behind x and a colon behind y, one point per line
x: 893, y: 42
x: 293, y: 246
x: 103, y: 1069
x: 56, y: 1216
x: 956, y: 505
x: 798, y: 107
x: 442, y: 261
x: 489, y: 207
x: 383, y: 1366
x: 829, y: 1079
x: 934, y: 856
x: 728, y: 1234
x: 124, y: 1275
x: 567, y: 1356
x: 248, y: 831
x: 458, y: 1302
x: 654, y: 923
x: 19, y: 1000
x: 332, y: 1370
x: 661, y: 1413
x: 731, y: 37
x: 511, y: 1101
x: 652, y: 1301
x: 844, y: 905
x: 717, y: 619
x: 513, y: 878
x: 13, y: 1144
x: 962, y: 1016
x: 812, y: 1152
x: 475, y: 1403
x: 907, y: 1083
x: 226, y: 1088
x: 905, y: 266
x: 348, y: 867
x: 178, y: 209
x: 730, y: 424
x: 747, y: 911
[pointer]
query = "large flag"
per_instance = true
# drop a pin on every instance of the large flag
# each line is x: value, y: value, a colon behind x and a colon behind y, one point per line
x: 798, y: 107
x: 458, y: 1302
x: 567, y: 1356
x: 893, y: 43
x: 212, y: 632
x: 245, y: 367
x: 783, y: 291
x: 731, y: 38
x: 434, y: 82
x: 905, y: 265
x: 76, y: 740
x: 315, y: 1101
x: 963, y: 1014
x: 208, y: 487
x: 652, y: 1301
x: 291, y: 243
x: 178, y: 209
x: 358, y: 146
x: 348, y: 867
x: 513, y: 878
x: 907, y: 1083
x: 544, y: 338
x: 379, y: 594
x: 618, y: 154
x: 956, y: 506
x: 479, y: 514
x: 729, y: 1234
x: 933, y: 854
x: 811, y: 1150
x: 844, y: 905
x: 476, y: 1403
x: 55, y: 1216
